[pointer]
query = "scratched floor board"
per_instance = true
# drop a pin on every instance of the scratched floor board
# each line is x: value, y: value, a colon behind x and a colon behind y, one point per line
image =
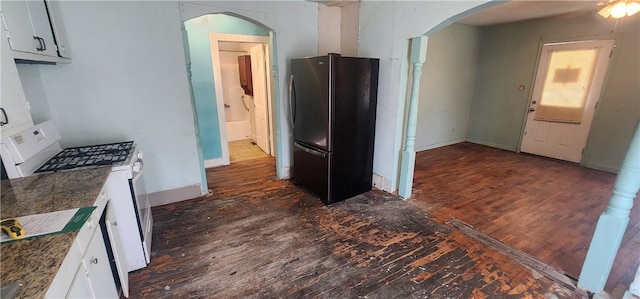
x: 259, y: 237
x: 544, y: 207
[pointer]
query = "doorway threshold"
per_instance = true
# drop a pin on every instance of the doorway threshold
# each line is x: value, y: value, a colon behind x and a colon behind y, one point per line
x: 521, y: 257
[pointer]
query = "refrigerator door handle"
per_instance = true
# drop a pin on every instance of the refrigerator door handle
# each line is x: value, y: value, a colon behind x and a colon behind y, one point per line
x: 292, y: 116
x: 310, y: 151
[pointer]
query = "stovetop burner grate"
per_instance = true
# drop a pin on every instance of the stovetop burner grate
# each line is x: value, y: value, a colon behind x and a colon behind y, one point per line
x: 92, y: 155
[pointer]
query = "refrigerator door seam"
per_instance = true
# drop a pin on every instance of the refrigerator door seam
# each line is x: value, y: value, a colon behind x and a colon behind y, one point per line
x: 332, y: 60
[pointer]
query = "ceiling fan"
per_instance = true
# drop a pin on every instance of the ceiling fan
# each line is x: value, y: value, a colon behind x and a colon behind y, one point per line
x: 620, y: 8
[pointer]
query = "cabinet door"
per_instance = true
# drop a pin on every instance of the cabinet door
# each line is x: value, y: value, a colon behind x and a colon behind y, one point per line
x: 29, y: 27
x: 18, y: 22
x: 97, y: 262
x: 42, y: 27
x: 58, y: 30
x: 80, y: 287
x: 116, y: 247
x: 244, y: 68
x: 13, y: 103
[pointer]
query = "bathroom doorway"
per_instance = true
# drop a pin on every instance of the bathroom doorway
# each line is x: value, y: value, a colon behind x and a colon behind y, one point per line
x: 240, y: 65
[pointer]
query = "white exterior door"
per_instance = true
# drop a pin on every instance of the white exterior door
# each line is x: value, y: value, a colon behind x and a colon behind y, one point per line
x: 260, y: 98
x: 565, y: 93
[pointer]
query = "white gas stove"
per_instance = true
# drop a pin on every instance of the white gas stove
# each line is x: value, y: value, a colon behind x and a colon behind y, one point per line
x: 37, y: 150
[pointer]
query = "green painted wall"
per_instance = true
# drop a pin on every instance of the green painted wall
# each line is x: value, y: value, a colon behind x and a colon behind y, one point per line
x: 508, y: 57
x: 446, y: 86
x: 619, y: 108
x: 198, y: 30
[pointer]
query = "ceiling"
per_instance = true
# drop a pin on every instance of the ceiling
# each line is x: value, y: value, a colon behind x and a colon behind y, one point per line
x: 511, y: 11
x: 235, y: 46
x: 520, y: 10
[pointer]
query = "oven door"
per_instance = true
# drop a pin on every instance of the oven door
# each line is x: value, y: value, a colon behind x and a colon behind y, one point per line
x: 143, y: 208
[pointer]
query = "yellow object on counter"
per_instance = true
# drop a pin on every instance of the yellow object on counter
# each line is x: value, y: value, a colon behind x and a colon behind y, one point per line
x: 12, y: 228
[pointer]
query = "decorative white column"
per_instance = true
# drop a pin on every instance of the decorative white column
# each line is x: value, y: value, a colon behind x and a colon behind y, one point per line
x: 408, y: 159
x: 612, y: 222
x: 281, y: 172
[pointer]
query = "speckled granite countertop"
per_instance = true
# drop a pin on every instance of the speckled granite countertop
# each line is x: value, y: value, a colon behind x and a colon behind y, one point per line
x: 34, y: 262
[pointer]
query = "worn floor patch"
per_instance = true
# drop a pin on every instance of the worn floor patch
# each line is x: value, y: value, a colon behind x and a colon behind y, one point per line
x: 536, y: 265
x: 270, y: 239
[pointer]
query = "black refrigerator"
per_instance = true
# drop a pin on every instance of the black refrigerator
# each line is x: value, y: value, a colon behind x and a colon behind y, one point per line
x: 333, y: 112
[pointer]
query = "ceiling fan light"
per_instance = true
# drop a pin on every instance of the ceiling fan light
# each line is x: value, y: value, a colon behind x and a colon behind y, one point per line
x: 633, y: 8
x: 606, y: 11
x: 619, y: 10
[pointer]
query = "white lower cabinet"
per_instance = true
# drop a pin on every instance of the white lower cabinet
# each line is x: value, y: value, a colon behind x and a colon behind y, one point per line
x: 96, y: 262
x: 80, y: 286
x: 93, y: 279
x: 86, y: 269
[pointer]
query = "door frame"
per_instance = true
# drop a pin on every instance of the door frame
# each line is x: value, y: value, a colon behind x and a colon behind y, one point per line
x: 215, y: 38
x: 598, y: 97
x: 261, y: 86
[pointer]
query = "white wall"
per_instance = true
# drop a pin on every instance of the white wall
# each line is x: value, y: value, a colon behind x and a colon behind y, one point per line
x: 128, y: 80
x: 385, y: 27
x: 350, y: 29
x: 338, y: 29
x: 36, y: 96
x: 446, y: 88
x: 328, y: 29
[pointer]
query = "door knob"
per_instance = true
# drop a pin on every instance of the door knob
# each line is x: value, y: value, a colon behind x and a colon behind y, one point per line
x: 532, y: 109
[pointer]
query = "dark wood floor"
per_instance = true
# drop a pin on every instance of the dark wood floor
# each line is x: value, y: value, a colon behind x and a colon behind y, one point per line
x: 544, y: 207
x: 260, y: 237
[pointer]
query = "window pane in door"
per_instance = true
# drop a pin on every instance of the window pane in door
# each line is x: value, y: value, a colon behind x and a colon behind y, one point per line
x: 566, y: 85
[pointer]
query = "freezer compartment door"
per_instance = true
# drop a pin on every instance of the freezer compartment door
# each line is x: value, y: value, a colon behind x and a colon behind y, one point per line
x: 311, y: 101
x: 311, y: 170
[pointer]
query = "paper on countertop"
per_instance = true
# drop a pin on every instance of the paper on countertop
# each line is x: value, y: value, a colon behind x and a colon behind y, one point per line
x: 51, y: 223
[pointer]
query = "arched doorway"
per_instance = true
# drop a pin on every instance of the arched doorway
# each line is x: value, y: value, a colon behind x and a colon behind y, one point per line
x: 497, y: 37
x: 224, y: 50
x: 205, y: 34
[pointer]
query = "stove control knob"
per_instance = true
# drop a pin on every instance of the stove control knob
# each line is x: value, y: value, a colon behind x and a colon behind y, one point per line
x: 137, y: 166
x: 139, y: 155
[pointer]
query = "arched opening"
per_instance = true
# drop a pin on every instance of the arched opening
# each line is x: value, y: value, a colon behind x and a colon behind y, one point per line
x: 230, y: 59
x: 490, y: 105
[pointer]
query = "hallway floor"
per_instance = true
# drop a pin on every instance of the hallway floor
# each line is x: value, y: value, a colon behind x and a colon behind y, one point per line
x: 260, y: 237
x: 242, y: 150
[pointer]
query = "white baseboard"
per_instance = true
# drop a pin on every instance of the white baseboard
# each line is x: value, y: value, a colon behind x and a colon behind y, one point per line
x: 381, y: 183
x: 439, y: 144
x: 215, y: 162
x: 175, y: 195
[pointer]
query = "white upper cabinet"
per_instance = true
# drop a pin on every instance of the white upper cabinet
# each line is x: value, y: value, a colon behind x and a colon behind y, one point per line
x: 28, y: 26
x: 34, y: 30
x: 58, y: 30
x: 14, y: 109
